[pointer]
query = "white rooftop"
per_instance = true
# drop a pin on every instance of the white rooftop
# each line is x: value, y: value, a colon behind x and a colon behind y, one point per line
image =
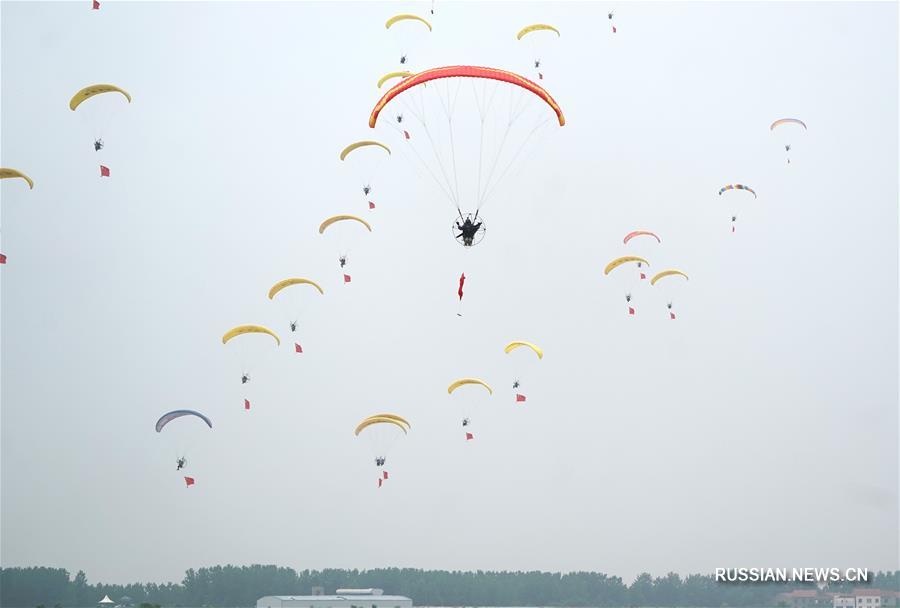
x: 343, y: 598
x: 348, y: 596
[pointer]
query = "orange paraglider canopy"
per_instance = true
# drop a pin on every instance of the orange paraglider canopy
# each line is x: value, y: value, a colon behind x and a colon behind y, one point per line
x: 465, y: 71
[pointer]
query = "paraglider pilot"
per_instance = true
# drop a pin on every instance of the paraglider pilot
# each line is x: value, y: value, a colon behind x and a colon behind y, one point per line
x: 98, y: 145
x: 181, y: 462
x: 245, y: 378
x: 467, y: 231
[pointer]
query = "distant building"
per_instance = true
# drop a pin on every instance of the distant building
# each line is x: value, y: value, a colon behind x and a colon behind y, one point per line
x: 868, y: 598
x: 843, y: 601
x: 343, y: 598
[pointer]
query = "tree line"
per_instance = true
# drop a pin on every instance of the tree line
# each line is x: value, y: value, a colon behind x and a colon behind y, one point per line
x: 240, y: 586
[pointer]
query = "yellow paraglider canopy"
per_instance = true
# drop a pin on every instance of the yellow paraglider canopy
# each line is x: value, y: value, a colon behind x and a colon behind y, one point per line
x: 10, y: 173
x: 378, y: 420
x: 391, y: 75
x: 464, y: 381
x: 95, y: 89
x: 536, y: 28
x: 623, y: 260
x: 341, y: 218
x: 249, y: 329
x: 400, y: 419
x: 517, y: 343
x: 294, y: 281
x: 667, y: 273
x: 405, y: 17
x: 362, y: 144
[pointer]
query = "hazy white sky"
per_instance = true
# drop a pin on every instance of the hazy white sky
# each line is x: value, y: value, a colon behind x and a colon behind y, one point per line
x: 759, y: 428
